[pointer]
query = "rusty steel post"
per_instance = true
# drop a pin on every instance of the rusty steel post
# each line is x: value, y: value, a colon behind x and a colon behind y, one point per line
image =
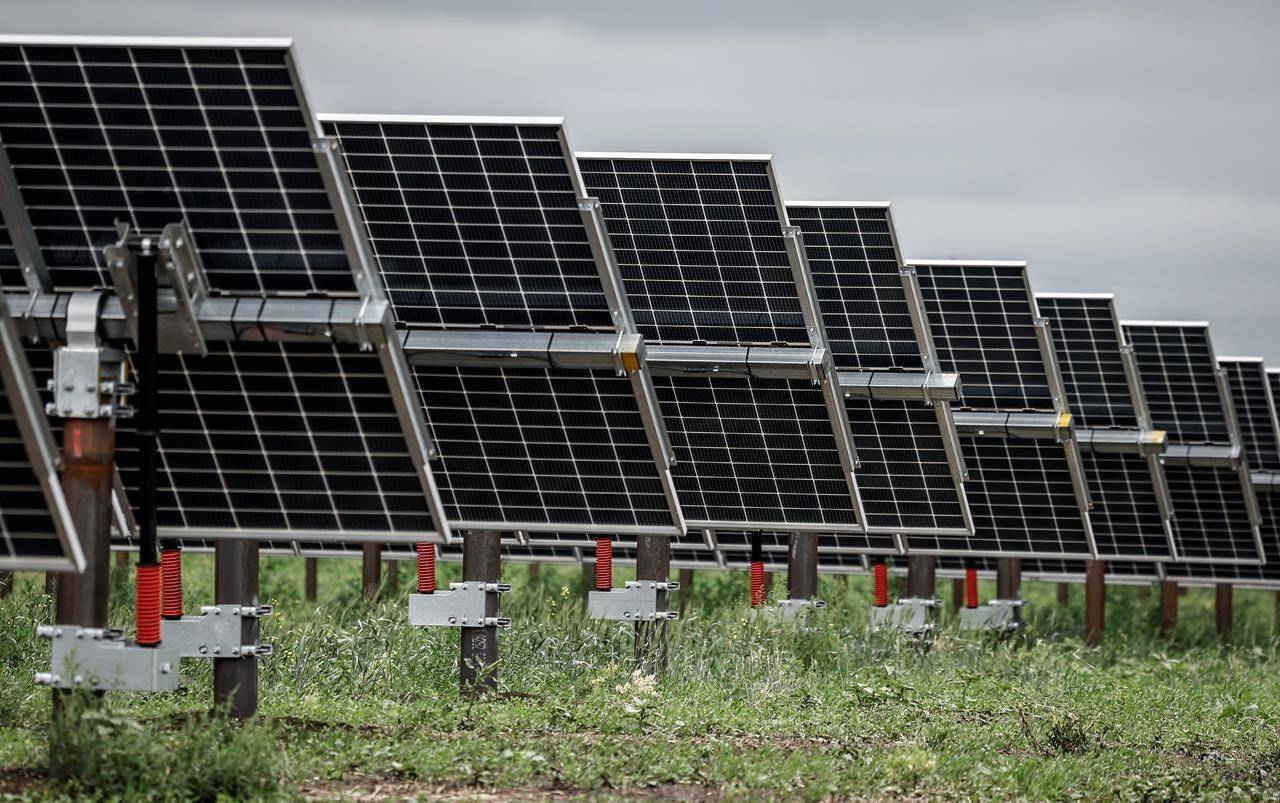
x: 1168, y: 608
x: 957, y: 594
x: 481, y: 561
x: 1064, y: 594
x: 310, y: 584
x: 653, y: 562
x: 371, y: 570
x: 921, y: 576
x: 1222, y: 610
x: 686, y: 590
x: 1095, y: 601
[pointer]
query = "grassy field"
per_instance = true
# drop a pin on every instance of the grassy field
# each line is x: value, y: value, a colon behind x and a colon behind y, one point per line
x: 356, y: 703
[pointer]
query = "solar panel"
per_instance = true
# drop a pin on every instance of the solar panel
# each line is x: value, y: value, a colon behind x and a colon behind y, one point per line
x: 1087, y: 340
x: 543, y: 449
x: 36, y: 530
x: 1024, y: 503
x: 691, y: 540
x: 1255, y: 411
x: 755, y: 452
x: 279, y: 442
x: 1213, y: 521
x: 853, y: 258
x: 1179, y: 379
x: 983, y: 320
x: 828, y: 543
x: 476, y: 222
x: 1129, y: 520
x: 907, y: 478
x: 10, y: 273
x: 701, y: 245
x: 212, y: 133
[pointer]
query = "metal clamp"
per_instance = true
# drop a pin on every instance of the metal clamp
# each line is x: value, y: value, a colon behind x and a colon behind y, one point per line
x: 180, y: 278
x: 998, y: 615
x: 463, y: 605
x: 637, y: 601
x: 100, y: 659
x: 788, y: 610
x: 87, y: 376
x: 215, y: 633
x: 911, y: 615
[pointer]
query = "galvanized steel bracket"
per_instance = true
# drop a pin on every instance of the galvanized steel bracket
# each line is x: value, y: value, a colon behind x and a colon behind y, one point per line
x: 463, y: 605
x: 788, y: 610
x: 637, y: 601
x: 998, y: 615
x: 100, y: 659
x: 215, y: 633
x: 911, y: 615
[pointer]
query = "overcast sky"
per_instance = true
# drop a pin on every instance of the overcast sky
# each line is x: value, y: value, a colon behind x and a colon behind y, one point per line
x: 1127, y: 147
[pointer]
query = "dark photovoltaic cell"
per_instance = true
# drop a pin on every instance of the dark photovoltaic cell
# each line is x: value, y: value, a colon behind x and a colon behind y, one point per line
x: 983, y: 325
x: 689, y: 540
x: 1210, y: 514
x: 856, y: 269
x: 277, y: 436
x: 216, y: 136
x: 1117, y: 571
x: 1022, y: 501
x: 1255, y: 412
x: 753, y: 450
x: 700, y: 245
x: 1267, y: 575
x: 542, y: 449
x: 475, y: 224
x: 731, y: 541
x: 1086, y: 339
x: 904, y: 477
x: 1178, y: 373
x: 1126, y: 516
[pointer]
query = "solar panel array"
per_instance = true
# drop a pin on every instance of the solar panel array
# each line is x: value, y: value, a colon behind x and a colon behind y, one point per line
x: 700, y: 244
x: 217, y: 137
x: 1024, y: 496
x: 1128, y: 518
x: 476, y: 224
x: 1214, y: 515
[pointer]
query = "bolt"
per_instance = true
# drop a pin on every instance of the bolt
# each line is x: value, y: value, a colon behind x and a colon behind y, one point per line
x: 78, y: 680
x: 204, y: 650
x: 166, y: 668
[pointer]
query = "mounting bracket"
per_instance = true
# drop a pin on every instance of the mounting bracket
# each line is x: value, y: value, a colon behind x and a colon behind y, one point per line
x: 637, y: 601
x: 787, y: 610
x: 180, y: 280
x: 100, y: 659
x: 87, y: 376
x: 912, y: 615
x: 215, y: 633
x: 463, y: 605
x: 999, y: 615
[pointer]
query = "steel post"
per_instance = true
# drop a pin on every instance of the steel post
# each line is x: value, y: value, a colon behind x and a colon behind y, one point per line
x: 482, y: 561
x: 921, y: 576
x: 653, y: 562
x: 802, y: 566
x: 235, y: 680
x: 1095, y: 601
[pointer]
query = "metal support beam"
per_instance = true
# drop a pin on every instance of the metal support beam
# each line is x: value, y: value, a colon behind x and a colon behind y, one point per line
x: 588, y: 578
x: 653, y: 562
x: 1009, y: 578
x: 481, y: 561
x: 371, y: 570
x: 921, y: 576
x: 1095, y: 601
x: 1064, y: 594
x: 88, y: 446
x: 235, y: 680
x: 393, y: 578
x: 535, y: 570
x: 1168, y: 608
x: 957, y: 593
x: 1222, y: 610
x: 310, y: 584
x: 802, y: 566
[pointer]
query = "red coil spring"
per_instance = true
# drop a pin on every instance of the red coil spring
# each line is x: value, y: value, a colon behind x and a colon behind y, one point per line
x: 171, y: 571
x: 971, y: 588
x: 426, y: 568
x: 148, y: 604
x: 604, y: 564
x: 881, y: 575
x: 757, y: 583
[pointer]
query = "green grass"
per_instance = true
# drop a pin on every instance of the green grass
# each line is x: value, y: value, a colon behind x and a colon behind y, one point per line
x: 356, y: 701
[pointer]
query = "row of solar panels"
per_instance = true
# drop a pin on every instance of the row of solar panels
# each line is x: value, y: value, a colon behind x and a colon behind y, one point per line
x: 419, y: 326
